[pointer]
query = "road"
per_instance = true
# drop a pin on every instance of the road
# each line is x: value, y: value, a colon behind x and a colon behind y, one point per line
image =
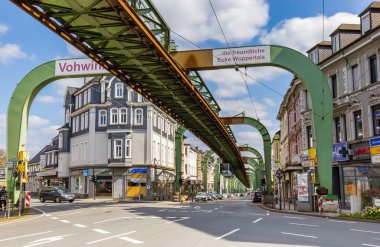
x: 233, y: 222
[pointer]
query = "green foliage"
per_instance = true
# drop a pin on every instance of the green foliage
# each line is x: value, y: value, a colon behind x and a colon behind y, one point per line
x: 367, y: 197
x: 372, y: 213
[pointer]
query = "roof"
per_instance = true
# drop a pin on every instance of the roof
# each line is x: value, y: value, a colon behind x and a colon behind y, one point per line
x: 346, y: 27
x: 322, y: 43
x: 373, y: 5
x: 36, y: 158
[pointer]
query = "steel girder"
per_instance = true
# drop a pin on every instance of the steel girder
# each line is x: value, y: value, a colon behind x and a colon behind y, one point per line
x: 111, y: 33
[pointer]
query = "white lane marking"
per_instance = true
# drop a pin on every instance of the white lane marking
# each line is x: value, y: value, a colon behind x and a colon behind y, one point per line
x: 228, y: 233
x: 48, y: 215
x: 257, y: 220
x: 154, y: 217
x: 79, y: 225
x: 298, y: 235
x: 46, y: 240
x: 170, y: 217
x: 195, y: 211
x: 215, y: 208
x: 257, y: 214
x: 116, y: 236
x: 209, y: 211
x: 343, y: 221
x: 356, y: 230
x: 135, y: 241
x: 227, y: 212
x: 54, y: 218
x: 100, y: 231
x: 303, y: 224
x: 267, y: 212
x: 24, y: 236
x: 70, y: 213
x: 197, y: 207
x: 182, y: 218
x: 162, y: 210
x: 65, y: 221
x: 371, y: 245
x: 120, y: 218
x: 294, y: 217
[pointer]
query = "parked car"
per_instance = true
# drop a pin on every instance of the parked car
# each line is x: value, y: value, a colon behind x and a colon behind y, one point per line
x: 56, y: 194
x: 219, y: 196
x: 226, y: 195
x: 256, y: 196
x: 201, y: 196
x: 210, y: 197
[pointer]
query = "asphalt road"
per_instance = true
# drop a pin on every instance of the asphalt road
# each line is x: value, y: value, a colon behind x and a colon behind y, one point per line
x: 233, y: 222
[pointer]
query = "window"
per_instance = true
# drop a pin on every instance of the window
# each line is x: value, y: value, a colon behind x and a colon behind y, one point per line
x: 355, y: 77
x: 154, y: 119
x: 128, y: 148
x: 358, y: 124
x: 114, y: 114
x: 306, y: 101
x: 335, y: 43
x: 82, y: 122
x: 159, y: 122
x: 77, y: 123
x: 139, y: 97
x: 86, y: 120
x: 138, y: 116
x: 373, y: 69
x: 67, y: 116
x: 130, y: 95
x: 376, y: 120
x: 123, y: 115
x: 79, y: 100
x: 85, y: 98
x: 102, y: 117
x: 73, y: 126
x: 117, y: 148
x: 309, y: 136
x: 119, y: 90
x: 334, y: 86
x: 76, y: 102
x: 366, y: 23
x: 89, y: 96
x: 344, y: 130
x: 338, y: 130
x: 60, y: 140
x: 314, y: 56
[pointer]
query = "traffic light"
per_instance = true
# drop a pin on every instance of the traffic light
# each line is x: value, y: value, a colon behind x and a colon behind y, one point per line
x: 96, y: 179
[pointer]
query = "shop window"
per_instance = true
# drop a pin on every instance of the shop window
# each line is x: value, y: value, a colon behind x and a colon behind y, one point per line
x: 358, y: 124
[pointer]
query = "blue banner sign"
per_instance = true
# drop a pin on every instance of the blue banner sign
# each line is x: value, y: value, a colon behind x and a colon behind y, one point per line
x: 137, y: 171
x: 340, y: 151
x: 373, y: 142
x: 84, y: 172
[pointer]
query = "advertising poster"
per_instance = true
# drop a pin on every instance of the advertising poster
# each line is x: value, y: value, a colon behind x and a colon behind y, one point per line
x: 302, y: 187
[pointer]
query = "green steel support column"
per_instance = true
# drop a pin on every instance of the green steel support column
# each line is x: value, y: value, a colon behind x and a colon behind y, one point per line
x: 178, y: 156
x: 217, y: 175
x: 204, y: 166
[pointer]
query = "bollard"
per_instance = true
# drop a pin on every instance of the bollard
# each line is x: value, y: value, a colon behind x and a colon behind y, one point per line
x: 27, y: 199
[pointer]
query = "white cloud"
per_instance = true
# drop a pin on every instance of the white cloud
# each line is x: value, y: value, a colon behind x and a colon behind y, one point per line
x: 241, y: 20
x: 50, y: 130
x: 269, y: 101
x: 235, y: 106
x: 11, y: 52
x: 46, y: 99
x: 62, y: 84
x: 303, y: 33
x: 3, y: 29
x: 36, y: 121
x: 195, y: 142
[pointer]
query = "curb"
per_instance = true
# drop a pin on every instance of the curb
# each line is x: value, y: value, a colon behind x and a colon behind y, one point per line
x: 317, y: 215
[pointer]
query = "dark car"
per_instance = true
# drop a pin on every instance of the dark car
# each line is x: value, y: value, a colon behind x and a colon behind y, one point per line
x: 56, y: 194
x: 256, y: 196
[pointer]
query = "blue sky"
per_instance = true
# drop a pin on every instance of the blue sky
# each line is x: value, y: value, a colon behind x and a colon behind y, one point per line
x: 25, y: 44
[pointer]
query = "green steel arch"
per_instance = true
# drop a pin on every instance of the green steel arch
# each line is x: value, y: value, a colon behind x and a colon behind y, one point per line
x: 205, y: 159
x: 266, y: 139
x: 259, y: 165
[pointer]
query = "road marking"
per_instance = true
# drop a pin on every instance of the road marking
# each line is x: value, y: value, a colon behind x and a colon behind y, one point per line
x: 116, y: 236
x: 79, y: 225
x: 303, y: 224
x: 54, y: 218
x: 70, y: 213
x: 294, y: 217
x: 24, y: 236
x: 376, y: 238
x: 343, y: 221
x: 228, y: 233
x: 356, y: 230
x: 100, y: 231
x: 65, y: 221
x: 227, y: 212
x: 298, y: 235
x: 170, y: 217
x: 111, y: 220
x: 371, y: 245
x: 131, y: 240
x: 196, y: 211
x: 184, y: 211
x: 46, y: 240
x: 154, y: 217
x: 140, y: 217
x: 197, y: 207
x: 182, y: 218
x: 215, y: 208
x: 162, y: 210
x: 257, y: 214
x: 267, y: 212
x: 257, y: 220
x: 48, y: 215
x: 209, y: 211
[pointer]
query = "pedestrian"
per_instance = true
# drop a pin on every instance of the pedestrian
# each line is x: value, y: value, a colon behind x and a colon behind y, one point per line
x: 3, y: 198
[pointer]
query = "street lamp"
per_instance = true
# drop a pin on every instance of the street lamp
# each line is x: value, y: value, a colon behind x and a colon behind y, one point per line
x: 279, y: 174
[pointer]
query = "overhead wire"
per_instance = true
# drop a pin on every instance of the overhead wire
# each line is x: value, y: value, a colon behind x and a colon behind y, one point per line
x: 236, y: 65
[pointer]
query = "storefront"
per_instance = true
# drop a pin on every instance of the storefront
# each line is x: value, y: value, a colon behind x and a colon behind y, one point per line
x: 104, y: 182
x: 78, y: 182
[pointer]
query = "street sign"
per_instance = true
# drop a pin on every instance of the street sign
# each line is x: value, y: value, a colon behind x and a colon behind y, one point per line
x: 84, y: 172
x: 374, y: 144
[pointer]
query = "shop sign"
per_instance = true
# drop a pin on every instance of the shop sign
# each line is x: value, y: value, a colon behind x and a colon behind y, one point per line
x: 375, y: 149
x: 340, y: 151
x: 78, y: 67
x: 305, y: 158
x: 137, y: 175
x: 84, y: 172
x: 302, y: 187
x: 377, y: 202
x: 361, y: 151
x: 241, y: 55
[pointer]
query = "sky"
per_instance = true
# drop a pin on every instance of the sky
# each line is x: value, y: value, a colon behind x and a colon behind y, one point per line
x: 26, y: 44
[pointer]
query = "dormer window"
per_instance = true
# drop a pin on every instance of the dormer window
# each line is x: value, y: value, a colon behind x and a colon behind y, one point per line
x: 366, y: 23
x: 335, y: 43
x: 314, y: 56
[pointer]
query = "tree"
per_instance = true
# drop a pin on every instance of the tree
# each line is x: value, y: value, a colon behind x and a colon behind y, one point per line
x: 3, y: 157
